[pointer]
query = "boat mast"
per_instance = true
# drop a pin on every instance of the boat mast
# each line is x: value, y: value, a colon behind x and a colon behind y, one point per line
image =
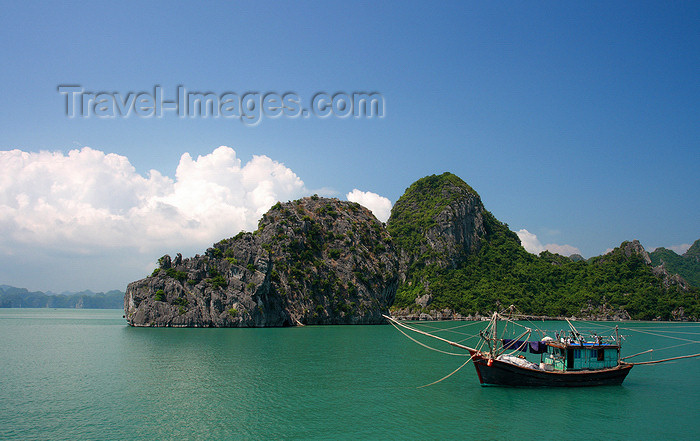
x: 495, y: 333
x: 576, y: 335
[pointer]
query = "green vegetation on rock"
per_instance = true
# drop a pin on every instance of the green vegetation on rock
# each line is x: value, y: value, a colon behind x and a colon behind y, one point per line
x: 418, y: 209
x: 310, y: 261
x: 687, y: 265
x: 495, y: 271
x: 325, y: 261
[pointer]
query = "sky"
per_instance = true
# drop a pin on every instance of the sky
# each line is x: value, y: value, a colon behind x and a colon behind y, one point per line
x: 577, y: 123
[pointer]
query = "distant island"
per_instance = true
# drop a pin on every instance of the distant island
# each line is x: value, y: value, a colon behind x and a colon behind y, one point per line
x: 12, y: 297
x: 441, y: 255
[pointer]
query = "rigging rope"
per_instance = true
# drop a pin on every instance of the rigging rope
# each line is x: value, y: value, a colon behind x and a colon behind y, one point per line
x: 437, y: 329
x: 476, y: 351
x: 515, y: 312
x: 658, y: 350
x: 468, y: 337
x: 523, y: 345
x: 676, y: 346
x: 661, y: 335
x: 679, y: 332
x: 424, y: 345
x: 448, y: 375
x: 688, y: 342
x: 452, y: 329
x: 678, y: 326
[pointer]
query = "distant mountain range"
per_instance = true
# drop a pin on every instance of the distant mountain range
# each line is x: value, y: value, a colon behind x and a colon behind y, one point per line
x: 12, y: 297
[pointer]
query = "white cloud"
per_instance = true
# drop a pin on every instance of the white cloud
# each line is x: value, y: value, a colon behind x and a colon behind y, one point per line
x: 530, y: 242
x: 533, y: 245
x: 564, y: 250
x: 88, y: 197
x: 88, y: 203
x: 379, y: 205
x: 680, y: 249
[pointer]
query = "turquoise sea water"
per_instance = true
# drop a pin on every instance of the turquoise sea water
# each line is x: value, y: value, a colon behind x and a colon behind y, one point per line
x: 83, y: 374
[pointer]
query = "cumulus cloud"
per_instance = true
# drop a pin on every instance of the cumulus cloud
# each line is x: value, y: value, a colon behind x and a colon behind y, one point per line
x: 530, y: 241
x: 379, y: 205
x: 533, y: 245
x: 88, y: 202
x: 88, y: 197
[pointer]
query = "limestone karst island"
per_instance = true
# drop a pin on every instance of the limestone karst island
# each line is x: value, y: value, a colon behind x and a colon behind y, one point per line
x: 441, y: 255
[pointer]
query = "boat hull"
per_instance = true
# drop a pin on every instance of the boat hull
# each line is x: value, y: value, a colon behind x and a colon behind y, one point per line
x: 499, y: 373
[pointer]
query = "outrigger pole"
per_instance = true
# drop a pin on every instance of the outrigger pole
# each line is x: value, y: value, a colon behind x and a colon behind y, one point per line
x: 666, y: 359
x: 449, y: 342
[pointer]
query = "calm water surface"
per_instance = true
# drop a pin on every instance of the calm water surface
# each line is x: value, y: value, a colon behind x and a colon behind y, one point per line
x: 83, y: 374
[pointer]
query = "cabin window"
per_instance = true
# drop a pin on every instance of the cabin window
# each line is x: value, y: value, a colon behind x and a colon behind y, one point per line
x: 601, y: 354
x: 594, y: 354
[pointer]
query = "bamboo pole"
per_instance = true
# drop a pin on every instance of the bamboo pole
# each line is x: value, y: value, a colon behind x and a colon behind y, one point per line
x: 428, y: 334
x: 666, y: 359
x: 640, y: 353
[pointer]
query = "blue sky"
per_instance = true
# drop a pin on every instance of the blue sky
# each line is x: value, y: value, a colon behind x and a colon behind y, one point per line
x: 579, y: 123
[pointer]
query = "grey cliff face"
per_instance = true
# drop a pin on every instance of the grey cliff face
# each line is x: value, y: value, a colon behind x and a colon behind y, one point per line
x: 635, y: 247
x: 311, y: 261
x: 667, y: 279
x: 444, y: 220
x: 458, y: 230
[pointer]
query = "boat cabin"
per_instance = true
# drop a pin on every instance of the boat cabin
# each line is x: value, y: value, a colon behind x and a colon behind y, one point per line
x: 568, y: 352
x: 580, y: 356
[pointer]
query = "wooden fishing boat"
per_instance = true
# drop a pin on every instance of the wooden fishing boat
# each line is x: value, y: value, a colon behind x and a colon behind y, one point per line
x: 567, y: 360
x: 508, y: 370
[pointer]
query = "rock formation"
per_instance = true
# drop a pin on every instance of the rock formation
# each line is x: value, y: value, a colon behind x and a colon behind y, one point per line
x: 693, y: 252
x: 438, y: 220
x: 634, y: 247
x: 442, y: 255
x: 670, y: 279
x: 311, y: 261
